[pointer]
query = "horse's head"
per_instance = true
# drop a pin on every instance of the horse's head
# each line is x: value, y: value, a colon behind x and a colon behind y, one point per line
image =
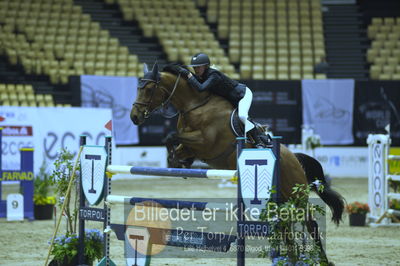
x: 158, y: 89
x: 149, y: 95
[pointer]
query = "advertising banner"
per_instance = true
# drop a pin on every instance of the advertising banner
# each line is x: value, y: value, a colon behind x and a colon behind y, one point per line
x: 47, y: 130
x: 155, y: 129
x: 341, y: 161
x: 17, y: 124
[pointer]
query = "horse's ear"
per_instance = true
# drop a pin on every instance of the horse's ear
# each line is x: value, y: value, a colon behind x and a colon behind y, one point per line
x: 155, y: 68
x: 145, y: 68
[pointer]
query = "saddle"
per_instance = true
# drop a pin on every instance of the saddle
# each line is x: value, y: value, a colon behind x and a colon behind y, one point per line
x: 237, y: 128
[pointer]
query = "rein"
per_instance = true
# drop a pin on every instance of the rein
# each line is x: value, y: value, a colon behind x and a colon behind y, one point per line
x: 173, y: 90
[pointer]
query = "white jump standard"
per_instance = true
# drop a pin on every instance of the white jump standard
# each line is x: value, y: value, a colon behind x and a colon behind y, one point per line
x: 379, y: 177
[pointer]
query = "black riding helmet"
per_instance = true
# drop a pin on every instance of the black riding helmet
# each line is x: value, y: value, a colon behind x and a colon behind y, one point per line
x: 199, y: 59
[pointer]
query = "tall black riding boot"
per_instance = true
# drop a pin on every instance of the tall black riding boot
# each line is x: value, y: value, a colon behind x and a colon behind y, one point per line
x: 254, y: 133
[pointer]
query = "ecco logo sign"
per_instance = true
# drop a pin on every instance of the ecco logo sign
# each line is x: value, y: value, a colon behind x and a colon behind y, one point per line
x: 53, y: 141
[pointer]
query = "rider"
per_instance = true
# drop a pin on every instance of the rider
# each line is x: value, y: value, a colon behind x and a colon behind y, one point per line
x: 239, y: 95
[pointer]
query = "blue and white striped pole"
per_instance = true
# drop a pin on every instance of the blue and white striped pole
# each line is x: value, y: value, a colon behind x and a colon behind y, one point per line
x: 172, y: 172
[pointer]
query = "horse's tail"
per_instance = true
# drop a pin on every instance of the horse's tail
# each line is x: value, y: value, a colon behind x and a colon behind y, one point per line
x: 332, y: 198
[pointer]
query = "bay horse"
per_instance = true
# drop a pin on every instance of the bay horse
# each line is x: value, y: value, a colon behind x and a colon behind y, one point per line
x: 203, y: 130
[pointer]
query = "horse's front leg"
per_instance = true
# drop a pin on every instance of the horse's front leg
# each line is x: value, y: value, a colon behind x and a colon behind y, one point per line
x: 171, y: 143
x: 179, y: 156
x: 180, y: 153
x: 185, y: 152
x: 184, y: 156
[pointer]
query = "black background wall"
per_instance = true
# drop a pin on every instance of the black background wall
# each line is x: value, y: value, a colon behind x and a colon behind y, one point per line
x: 278, y: 104
x: 377, y: 104
x: 381, y: 8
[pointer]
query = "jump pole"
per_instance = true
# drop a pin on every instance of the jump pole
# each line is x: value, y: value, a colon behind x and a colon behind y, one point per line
x: 171, y: 172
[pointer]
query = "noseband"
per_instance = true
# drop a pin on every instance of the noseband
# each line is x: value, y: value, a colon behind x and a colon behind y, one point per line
x: 147, y: 111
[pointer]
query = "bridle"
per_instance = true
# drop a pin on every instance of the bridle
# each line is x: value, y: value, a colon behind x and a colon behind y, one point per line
x: 147, y: 105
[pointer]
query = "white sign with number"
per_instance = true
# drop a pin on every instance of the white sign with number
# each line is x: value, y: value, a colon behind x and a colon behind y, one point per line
x: 93, y: 166
x: 15, y: 207
x: 256, y: 169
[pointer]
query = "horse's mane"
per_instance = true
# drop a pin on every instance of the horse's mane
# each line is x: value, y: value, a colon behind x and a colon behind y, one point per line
x: 173, y: 68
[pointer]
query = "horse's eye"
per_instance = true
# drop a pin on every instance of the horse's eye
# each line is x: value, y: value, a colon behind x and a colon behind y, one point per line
x: 141, y: 84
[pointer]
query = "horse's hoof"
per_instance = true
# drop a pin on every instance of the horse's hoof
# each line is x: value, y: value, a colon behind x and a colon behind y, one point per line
x: 186, y: 163
x: 174, y: 164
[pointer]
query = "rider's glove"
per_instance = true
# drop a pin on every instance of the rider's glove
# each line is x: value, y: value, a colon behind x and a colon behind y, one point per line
x: 184, y: 71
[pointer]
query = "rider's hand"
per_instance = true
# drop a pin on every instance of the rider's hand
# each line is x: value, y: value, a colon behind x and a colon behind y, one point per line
x: 184, y: 72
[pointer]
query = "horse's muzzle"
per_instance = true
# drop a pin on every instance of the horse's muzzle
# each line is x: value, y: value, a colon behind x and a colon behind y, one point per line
x: 136, y: 117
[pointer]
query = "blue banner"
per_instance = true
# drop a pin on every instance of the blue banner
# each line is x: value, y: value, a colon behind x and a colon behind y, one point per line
x: 328, y: 108
x: 118, y: 94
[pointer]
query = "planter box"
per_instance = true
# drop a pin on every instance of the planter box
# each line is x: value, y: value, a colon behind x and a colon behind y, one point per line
x: 43, y: 212
x: 357, y: 219
x: 65, y: 262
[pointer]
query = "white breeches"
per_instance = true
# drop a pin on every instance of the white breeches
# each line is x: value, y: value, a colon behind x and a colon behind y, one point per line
x: 243, y: 110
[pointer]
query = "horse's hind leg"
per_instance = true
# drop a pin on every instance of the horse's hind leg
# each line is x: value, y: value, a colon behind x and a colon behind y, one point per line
x: 312, y: 227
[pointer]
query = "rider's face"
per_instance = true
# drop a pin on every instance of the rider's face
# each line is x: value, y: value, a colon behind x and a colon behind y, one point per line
x: 199, y: 70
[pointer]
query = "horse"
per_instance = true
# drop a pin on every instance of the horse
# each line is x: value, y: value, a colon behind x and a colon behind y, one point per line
x: 203, y: 131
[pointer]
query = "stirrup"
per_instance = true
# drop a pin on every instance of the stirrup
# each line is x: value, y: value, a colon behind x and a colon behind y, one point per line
x: 267, y: 141
x: 260, y: 146
x: 257, y: 141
